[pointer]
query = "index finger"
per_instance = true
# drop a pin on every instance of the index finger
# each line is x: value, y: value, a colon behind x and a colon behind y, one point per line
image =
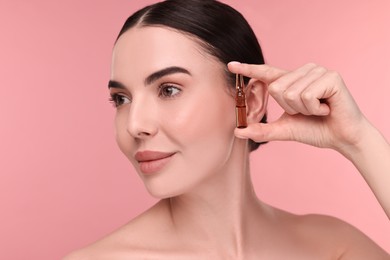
x: 262, y: 72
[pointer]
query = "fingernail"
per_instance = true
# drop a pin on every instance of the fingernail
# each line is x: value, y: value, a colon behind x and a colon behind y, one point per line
x: 241, y: 136
x: 234, y: 62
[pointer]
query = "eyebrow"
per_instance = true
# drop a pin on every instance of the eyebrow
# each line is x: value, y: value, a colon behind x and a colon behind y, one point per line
x: 152, y: 77
x: 164, y: 72
x: 115, y: 84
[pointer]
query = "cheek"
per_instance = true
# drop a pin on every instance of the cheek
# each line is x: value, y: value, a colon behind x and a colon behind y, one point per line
x: 204, y: 124
x: 203, y: 133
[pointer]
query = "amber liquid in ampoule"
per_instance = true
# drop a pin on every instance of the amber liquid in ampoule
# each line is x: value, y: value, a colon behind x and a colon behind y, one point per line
x: 240, y: 105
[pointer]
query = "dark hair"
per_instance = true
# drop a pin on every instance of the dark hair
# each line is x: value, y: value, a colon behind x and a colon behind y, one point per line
x: 223, y: 31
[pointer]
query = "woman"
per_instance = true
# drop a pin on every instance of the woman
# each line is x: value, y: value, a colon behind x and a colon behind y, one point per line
x: 176, y: 123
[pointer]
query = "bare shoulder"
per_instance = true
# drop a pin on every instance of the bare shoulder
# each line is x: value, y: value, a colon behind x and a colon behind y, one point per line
x: 337, y: 236
x: 106, y: 247
x: 127, y: 241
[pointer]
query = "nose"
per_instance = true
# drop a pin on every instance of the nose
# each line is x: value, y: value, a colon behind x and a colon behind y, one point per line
x: 142, y: 119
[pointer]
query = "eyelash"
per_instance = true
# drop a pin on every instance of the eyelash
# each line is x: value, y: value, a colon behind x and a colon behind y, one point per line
x: 163, y: 87
x: 117, y: 100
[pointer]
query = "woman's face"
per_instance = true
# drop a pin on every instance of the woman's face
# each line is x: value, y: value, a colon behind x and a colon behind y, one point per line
x: 175, y: 116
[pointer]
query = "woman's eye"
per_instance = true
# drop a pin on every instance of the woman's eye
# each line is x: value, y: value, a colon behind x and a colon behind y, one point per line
x: 118, y: 100
x: 168, y: 91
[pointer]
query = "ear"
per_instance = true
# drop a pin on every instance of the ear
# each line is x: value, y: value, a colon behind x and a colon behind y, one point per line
x: 256, y: 100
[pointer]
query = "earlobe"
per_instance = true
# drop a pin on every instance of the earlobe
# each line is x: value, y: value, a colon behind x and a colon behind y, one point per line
x: 256, y: 99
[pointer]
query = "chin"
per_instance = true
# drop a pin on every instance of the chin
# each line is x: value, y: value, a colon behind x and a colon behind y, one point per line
x: 162, y: 190
x: 162, y: 193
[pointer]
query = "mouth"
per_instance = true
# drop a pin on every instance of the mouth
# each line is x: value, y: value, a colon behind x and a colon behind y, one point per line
x: 152, y: 161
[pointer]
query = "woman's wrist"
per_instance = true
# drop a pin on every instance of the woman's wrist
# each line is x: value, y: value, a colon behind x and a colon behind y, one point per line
x: 363, y: 142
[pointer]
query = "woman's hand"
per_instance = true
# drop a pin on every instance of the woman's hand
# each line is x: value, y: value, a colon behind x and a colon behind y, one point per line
x: 319, y: 109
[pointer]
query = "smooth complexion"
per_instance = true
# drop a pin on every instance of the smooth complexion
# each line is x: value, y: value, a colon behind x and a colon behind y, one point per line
x: 176, y: 115
x: 188, y: 114
x: 209, y: 167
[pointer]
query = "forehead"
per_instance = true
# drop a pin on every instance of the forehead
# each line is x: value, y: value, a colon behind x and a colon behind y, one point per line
x: 146, y: 49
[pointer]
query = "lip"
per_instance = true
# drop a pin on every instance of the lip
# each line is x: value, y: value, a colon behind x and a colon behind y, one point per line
x: 152, y: 161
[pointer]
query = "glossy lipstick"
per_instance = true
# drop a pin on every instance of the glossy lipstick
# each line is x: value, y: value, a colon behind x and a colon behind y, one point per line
x: 152, y: 161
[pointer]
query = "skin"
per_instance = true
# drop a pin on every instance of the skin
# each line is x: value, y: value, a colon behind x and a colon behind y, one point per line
x: 208, y: 208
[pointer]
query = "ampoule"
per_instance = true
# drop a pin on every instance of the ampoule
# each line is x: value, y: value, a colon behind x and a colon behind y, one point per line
x: 240, y: 102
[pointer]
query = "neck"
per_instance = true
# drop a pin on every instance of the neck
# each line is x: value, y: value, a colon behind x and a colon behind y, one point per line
x: 220, y: 210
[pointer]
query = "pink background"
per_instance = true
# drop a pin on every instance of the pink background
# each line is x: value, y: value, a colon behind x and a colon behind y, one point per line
x: 64, y: 183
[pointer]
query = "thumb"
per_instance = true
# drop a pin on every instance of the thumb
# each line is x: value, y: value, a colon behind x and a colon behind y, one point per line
x: 260, y: 132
